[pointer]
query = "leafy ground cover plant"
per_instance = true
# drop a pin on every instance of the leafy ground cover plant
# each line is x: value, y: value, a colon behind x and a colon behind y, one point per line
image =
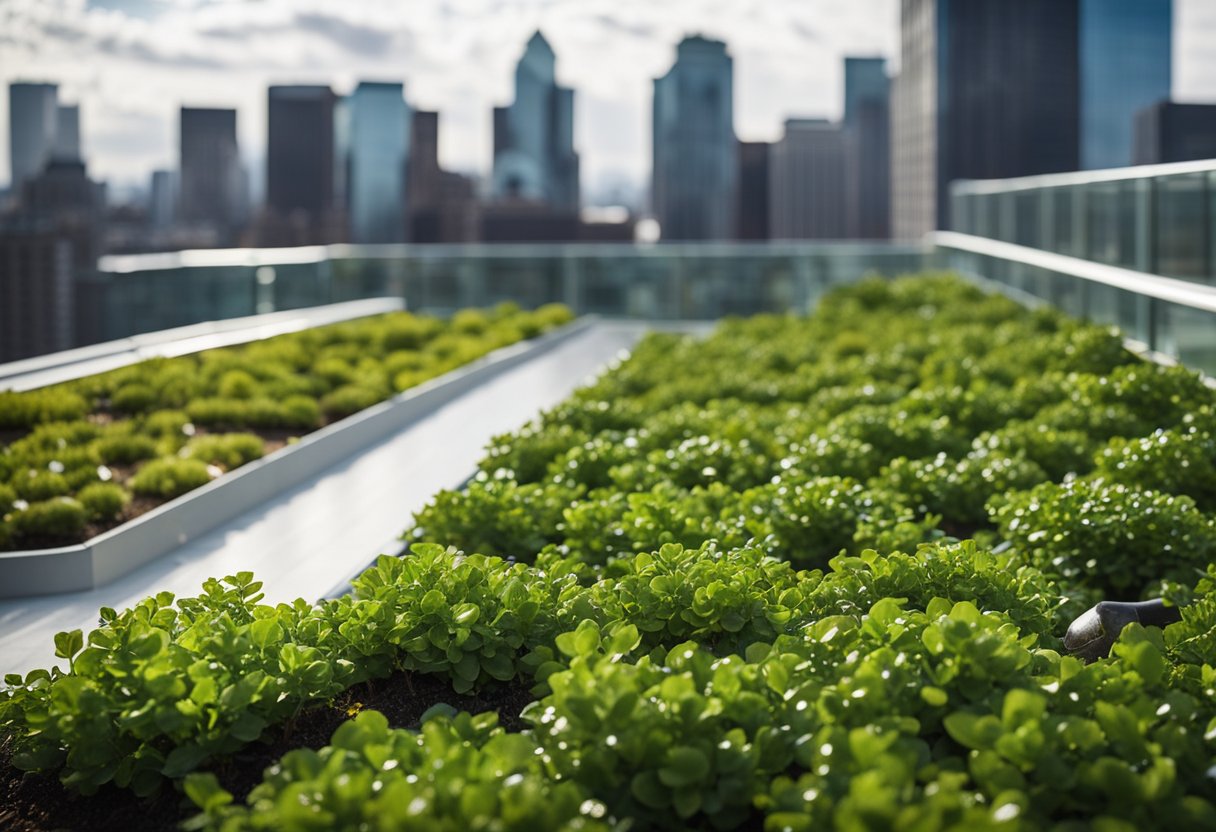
x: 163, y: 427
x: 728, y: 573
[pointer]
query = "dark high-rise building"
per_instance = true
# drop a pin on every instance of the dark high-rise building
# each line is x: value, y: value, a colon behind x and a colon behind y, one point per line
x: 442, y: 206
x: 1002, y: 88
x: 33, y: 120
x: 807, y: 182
x: 987, y: 89
x: 753, y: 190
x: 1173, y: 132
x: 1125, y: 63
x: 695, y: 159
x: 63, y: 198
x: 36, y: 293
x: 300, y: 163
x: 534, y: 158
x: 210, y: 179
x: 867, y: 137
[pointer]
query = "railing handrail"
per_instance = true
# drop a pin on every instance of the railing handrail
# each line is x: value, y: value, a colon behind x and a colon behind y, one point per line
x: 1181, y: 292
x: 253, y: 257
x: 969, y: 187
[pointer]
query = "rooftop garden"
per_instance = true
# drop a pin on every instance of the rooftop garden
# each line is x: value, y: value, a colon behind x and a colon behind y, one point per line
x: 79, y: 458
x: 806, y: 573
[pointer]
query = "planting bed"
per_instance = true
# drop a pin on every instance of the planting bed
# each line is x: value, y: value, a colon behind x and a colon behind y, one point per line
x: 84, y: 456
x: 729, y: 581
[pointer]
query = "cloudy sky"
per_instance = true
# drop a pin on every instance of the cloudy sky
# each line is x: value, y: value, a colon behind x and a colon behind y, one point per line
x: 132, y: 63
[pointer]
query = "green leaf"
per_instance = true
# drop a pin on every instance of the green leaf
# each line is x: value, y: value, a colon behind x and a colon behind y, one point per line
x: 247, y: 727
x: 466, y: 615
x: 934, y: 696
x: 433, y: 602
x: 684, y: 766
x: 439, y: 709
x: 183, y: 760
x: 973, y: 730
x: 205, y: 792
x: 68, y: 644
x: 265, y: 631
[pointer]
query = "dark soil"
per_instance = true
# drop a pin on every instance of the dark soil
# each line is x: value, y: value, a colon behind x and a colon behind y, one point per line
x: 37, y: 803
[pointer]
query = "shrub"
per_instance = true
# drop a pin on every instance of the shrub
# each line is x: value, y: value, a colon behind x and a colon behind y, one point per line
x: 40, y: 485
x: 103, y: 501
x: 22, y: 411
x: 236, y: 384
x: 218, y: 413
x: 170, y: 477
x: 58, y: 518
x: 1107, y: 537
x: 133, y: 398
x: 1180, y: 460
x: 165, y: 423
x: 125, y: 449
x: 228, y: 450
x: 348, y: 399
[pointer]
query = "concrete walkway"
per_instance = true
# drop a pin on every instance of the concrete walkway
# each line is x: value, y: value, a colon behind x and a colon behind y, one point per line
x: 311, y: 539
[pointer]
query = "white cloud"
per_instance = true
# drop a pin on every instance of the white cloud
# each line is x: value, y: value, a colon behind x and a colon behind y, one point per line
x: 132, y: 63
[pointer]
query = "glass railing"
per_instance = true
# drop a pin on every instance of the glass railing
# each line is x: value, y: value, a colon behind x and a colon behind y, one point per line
x: 142, y: 293
x: 1174, y: 318
x: 704, y: 281
x: 1159, y: 219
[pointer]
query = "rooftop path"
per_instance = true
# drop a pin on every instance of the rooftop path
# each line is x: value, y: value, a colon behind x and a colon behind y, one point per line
x: 309, y: 540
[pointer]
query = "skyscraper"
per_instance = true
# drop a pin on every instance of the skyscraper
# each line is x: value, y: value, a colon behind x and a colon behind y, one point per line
x: 300, y: 163
x: 162, y: 200
x: 36, y: 293
x: 534, y: 157
x: 210, y: 173
x: 1002, y: 88
x: 753, y: 209
x: 867, y: 137
x: 33, y: 119
x: 987, y: 89
x: 807, y: 182
x: 1173, y: 132
x: 1125, y: 63
x: 695, y: 162
x: 67, y: 133
x: 442, y: 205
x: 379, y: 150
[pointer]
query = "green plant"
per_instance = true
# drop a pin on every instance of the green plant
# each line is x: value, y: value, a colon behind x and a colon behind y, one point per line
x: 170, y: 477
x: 228, y: 450
x: 59, y: 518
x: 103, y: 501
x: 456, y: 774
x: 1107, y: 537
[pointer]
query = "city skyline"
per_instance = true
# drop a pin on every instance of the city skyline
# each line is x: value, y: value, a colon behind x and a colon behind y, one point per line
x: 454, y: 57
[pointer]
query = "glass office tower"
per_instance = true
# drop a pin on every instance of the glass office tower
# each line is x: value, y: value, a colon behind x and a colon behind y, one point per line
x: 867, y: 137
x: 988, y: 89
x: 534, y: 156
x: 33, y: 119
x: 379, y: 151
x: 696, y: 169
x: 1125, y: 51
